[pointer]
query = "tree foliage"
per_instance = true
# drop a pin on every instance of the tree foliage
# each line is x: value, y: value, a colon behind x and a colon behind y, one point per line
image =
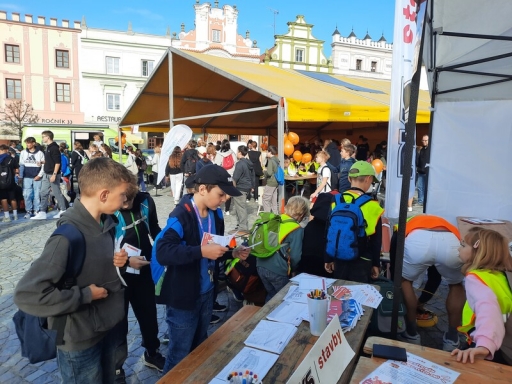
x: 15, y: 114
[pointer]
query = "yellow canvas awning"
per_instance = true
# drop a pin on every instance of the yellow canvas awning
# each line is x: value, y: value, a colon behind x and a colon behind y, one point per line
x: 221, y: 95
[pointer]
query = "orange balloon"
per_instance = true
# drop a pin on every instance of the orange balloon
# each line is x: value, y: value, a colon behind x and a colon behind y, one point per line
x: 297, y: 156
x: 378, y: 165
x: 285, y: 137
x: 123, y: 141
x: 306, y: 158
x: 293, y: 137
x: 288, y: 148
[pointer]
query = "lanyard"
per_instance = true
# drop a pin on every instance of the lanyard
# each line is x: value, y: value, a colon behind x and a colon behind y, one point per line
x: 200, y: 220
x: 135, y: 227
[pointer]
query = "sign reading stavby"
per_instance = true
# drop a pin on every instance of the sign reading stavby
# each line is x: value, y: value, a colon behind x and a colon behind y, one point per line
x: 327, y: 360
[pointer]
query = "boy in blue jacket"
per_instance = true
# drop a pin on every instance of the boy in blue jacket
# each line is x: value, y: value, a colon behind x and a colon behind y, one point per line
x: 188, y: 286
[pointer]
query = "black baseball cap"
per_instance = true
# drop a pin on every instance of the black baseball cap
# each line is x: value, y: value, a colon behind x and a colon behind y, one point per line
x: 214, y: 175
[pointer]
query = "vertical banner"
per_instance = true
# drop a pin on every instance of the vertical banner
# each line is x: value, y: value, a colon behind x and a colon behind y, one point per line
x: 409, y: 19
x: 178, y: 136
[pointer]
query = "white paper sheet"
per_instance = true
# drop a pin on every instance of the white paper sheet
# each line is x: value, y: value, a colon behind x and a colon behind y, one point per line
x: 271, y: 336
x: 259, y: 362
x: 365, y: 294
x: 415, y: 370
x: 295, y: 295
x: 288, y: 312
x: 299, y: 277
x: 132, y: 251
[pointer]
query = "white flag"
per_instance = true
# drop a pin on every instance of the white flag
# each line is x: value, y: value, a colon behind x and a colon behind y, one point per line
x: 178, y: 136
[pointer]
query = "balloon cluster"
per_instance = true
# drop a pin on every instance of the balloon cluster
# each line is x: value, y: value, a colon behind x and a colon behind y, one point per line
x: 290, y: 140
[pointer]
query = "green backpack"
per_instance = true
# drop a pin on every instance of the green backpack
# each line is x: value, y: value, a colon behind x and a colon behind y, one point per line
x: 269, y: 231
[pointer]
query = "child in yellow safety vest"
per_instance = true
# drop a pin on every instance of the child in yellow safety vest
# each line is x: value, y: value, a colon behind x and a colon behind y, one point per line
x: 486, y: 259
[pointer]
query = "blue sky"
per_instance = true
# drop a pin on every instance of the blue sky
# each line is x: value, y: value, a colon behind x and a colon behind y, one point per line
x: 257, y: 16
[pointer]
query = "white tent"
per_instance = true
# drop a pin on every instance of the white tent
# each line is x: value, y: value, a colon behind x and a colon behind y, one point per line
x: 468, y: 56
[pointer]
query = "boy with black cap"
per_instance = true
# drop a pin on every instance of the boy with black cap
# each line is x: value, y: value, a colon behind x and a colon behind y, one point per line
x: 361, y: 176
x: 188, y: 284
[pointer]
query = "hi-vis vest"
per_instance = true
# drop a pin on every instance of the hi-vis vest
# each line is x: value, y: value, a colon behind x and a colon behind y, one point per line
x: 428, y: 222
x: 498, y: 283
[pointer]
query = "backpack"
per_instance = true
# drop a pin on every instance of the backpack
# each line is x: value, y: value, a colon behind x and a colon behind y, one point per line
x: 144, y: 164
x: 279, y: 174
x: 380, y: 323
x: 345, y: 227
x: 38, y: 343
x: 121, y: 226
x: 190, y: 164
x: 335, y: 177
x: 83, y: 159
x: 228, y: 162
x: 242, y: 276
x: 6, y: 175
x: 268, y: 232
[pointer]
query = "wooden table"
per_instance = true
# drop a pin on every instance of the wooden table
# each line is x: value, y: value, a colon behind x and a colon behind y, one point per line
x: 505, y: 229
x: 296, y: 179
x: 482, y: 371
x: 207, y: 360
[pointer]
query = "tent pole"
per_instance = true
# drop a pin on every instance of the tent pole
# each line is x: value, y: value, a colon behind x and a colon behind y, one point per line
x: 280, y: 150
x: 171, y: 98
x: 410, y: 135
x: 119, y: 148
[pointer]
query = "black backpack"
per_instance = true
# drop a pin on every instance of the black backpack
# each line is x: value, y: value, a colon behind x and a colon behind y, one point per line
x: 6, y: 175
x: 190, y: 164
x: 143, y: 164
x: 335, y: 176
x: 38, y: 343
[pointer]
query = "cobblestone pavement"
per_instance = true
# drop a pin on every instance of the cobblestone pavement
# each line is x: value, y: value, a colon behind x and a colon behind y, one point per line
x: 22, y: 241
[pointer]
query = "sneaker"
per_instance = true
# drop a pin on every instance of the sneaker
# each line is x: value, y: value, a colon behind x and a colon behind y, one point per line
x: 156, y: 361
x: 165, y: 338
x: 214, y: 319
x: 425, y: 318
x: 405, y: 337
x: 237, y: 295
x: 40, y: 216
x: 409, y: 209
x: 15, y: 217
x: 57, y: 216
x: 246, y: 302
x: 6, y: 219
x: 450, y: 345
x: 226, y: 213
x: 219, y: 307
x: 27, y: 215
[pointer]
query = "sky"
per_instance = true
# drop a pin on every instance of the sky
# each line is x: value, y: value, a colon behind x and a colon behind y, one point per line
x: 257, y: 16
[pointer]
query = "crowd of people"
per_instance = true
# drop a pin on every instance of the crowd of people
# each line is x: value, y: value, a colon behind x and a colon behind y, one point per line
x: 131, y: 260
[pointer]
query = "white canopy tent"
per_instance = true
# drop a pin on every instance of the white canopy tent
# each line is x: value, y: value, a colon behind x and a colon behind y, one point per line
x: 468, y: 56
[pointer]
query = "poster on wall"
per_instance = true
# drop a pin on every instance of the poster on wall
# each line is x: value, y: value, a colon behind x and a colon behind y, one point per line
x: 409, y: 19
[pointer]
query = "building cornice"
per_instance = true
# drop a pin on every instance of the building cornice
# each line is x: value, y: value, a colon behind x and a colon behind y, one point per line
x: 124, y: 44
x: 45, y: 26
x: 113, y: 78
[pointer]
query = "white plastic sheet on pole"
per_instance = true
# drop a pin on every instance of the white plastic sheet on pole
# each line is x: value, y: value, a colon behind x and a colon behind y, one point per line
x: 406, y: 42
x: 470, y: 172
x: 178, y: 136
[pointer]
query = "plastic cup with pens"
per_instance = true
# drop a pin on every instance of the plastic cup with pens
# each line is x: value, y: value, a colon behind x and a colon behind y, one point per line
x: 318, y: 306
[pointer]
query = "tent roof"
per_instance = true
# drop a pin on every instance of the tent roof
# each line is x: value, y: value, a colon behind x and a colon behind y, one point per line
x: 203, y: 85
x: 469, y: 47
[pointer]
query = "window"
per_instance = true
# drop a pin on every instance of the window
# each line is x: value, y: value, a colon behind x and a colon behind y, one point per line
x: 374, y: 66
x: 147, y: 67
x: 299, y: 55
x: 13, y: 88
x: 112, y: 65
x: 359, y: 64
x: 113, y: 102
x: 63, y: 92
x: 216, y: 36
x: 12, y: 53
x: 62, y: 58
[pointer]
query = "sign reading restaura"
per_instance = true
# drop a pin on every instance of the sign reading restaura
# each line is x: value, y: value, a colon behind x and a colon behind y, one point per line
x: 327, y: 360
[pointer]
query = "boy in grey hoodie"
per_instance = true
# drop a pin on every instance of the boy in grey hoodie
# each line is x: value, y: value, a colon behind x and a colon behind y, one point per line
x: 94, y: 307
x: 243, y: 178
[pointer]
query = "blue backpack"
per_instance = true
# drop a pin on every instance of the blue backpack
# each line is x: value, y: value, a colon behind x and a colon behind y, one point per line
x: 279, y: 174
x: 121, y: 227
x: 345, y: 226
x: 38, y: 342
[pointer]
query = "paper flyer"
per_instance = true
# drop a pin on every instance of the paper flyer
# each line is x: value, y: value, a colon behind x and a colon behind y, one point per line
x: 132, y: 251
x: 210, y: 238
x: 415, y: 370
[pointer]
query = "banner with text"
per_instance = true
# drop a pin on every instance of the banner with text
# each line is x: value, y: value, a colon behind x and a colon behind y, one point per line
x: 178, y: 136
x: 327, y: 360
x: 409, y: 19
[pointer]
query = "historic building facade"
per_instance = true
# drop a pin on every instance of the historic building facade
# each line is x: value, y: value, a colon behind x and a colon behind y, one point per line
x: 40, y: 66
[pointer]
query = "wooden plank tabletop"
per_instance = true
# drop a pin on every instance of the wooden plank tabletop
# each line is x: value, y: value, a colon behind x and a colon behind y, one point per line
x: 482, y: 371
x: 298, y: 178
x: 209, y: 358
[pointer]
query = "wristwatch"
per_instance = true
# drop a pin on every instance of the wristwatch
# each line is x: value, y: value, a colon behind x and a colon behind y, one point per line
x: 54, y: 174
